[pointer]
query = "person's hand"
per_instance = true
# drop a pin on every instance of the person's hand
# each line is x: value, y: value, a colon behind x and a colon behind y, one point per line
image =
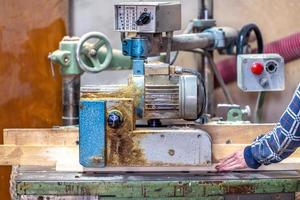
x: 232, y: 162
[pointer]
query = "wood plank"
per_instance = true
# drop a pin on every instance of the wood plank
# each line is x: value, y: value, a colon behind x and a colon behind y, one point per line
x: 42, y: 136
x: 221, y: 150
x: 69, y: 155
x: 37, y: 155
x: 220, y: 134
x: 235, y: 133
x: 57, y: 147
x: 78, y: 168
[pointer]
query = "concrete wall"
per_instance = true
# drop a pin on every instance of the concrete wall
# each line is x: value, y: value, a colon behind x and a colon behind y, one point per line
x: 276, y: 18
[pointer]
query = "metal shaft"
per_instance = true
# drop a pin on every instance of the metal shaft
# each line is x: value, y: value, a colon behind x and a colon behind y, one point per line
x: 192, y: 41
x: 206, y: 12
x: 70, y: 99
x: 205, y: 9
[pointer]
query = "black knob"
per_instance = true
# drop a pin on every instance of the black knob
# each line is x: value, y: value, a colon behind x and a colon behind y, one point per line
x: 144, y: 19
x: 115, y: 119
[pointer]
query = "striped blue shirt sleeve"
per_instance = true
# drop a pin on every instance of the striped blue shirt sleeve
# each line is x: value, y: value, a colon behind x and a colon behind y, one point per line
x: 279, y: 143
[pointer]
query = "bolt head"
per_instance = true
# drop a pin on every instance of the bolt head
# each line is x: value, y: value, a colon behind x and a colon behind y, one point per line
x: 114, y: 119
x: 263, y: 82
x: 93, y: 52
x: 171, y: 152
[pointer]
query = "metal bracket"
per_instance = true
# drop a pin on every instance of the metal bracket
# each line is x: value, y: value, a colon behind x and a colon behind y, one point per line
x: 92, y: 133
x: 135, y: 47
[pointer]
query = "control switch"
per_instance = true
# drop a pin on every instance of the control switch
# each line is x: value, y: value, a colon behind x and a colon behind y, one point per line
x: 147, y: 17
x: 260, y: 72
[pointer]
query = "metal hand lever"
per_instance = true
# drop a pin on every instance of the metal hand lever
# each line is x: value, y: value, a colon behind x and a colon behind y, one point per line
x: 51, y: 65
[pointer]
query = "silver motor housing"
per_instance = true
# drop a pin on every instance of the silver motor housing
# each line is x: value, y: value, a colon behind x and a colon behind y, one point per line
x: 173, y: 97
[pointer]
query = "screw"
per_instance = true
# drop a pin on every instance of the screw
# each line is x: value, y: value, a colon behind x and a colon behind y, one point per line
x: 81, y: 106
x: 115, y: 119
x: 97, y: 159
x: 93, y: 52
x: 263, y: 82
x: 171, y: 152
x: 66, y: 59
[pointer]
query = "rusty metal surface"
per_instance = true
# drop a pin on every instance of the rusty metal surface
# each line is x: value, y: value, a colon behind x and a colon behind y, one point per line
x: 51, y: 197
x: 157, y: 185
x: 273, y: 196
x: 127, y: 148
x: 276, y: 196
x: 122, y: 149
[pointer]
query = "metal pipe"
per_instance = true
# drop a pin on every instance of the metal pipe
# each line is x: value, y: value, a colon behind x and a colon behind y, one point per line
x: 205, y: 9
x: 71, y: 17
x: 201, y: 9
x: 192, y: 41
x: 209, y: 85
x: 258, y: 110
x: 169, y: 45
x: 188, y: 29
x: 70, y: 99
x: 225, y: 90
x: 208, y: 74
x: 210, y: 8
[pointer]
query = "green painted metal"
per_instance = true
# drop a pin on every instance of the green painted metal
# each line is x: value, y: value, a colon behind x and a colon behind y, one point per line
x: 66, y: 56
x: 235, y: 115
x: 118, y: 62
x: 159, y: 189
x: 61, y: 57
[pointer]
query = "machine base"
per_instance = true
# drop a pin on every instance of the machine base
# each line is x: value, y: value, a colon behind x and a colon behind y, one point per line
x: 179, y: 186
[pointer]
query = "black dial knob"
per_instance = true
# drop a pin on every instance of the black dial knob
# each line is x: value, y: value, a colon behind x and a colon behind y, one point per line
x: 144, y: 19
x: 115, y: 119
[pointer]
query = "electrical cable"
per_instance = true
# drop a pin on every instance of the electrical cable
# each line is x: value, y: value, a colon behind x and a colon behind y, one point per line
x: 244, y: 35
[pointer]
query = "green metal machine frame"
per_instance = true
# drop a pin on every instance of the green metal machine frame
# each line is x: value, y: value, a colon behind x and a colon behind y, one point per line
x: 178, y: 186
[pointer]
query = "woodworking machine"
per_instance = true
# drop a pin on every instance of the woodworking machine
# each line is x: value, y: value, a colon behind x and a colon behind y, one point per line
x: 110, y: 133
x: 120, y: 124
x: 155, y: 120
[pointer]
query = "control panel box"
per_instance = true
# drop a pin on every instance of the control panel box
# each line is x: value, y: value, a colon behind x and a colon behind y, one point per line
x: 147, y: 17
x: 260, y: 72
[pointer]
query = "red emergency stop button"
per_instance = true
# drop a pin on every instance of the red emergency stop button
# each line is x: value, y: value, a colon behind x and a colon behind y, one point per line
x: 257, y: 68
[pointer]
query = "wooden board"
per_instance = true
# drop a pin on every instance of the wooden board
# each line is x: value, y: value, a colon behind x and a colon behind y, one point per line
x: 37, y: 155
x: 47, y: 136
x: 236, y: 134
x: 220, y: 134
x: 58, y: 147
x: 66, y: 159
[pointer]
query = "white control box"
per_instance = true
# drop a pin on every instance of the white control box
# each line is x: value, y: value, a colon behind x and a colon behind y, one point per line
x: 260, y: 72
x: 147, y: 17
